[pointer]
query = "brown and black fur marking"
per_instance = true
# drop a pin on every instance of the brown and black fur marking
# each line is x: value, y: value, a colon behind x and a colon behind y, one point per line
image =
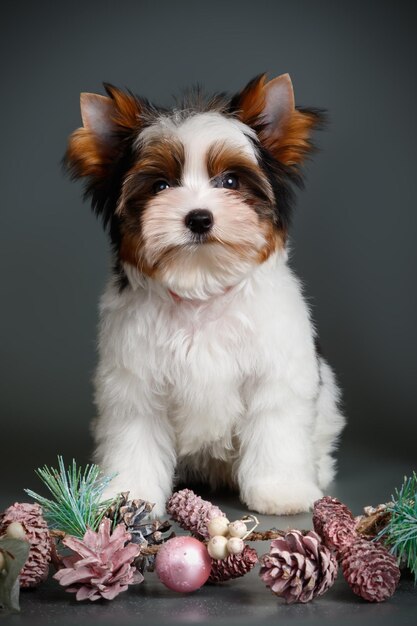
x: 119, y: 175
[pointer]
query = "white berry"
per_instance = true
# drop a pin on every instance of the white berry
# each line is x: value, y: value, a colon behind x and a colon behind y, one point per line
x: 237, y: 529
x: 217, y: 547
x: 15, y: 530
x: 218, y: 526
x: 235, y: 545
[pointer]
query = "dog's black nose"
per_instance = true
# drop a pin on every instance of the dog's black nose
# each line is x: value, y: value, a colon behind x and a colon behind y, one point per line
x: 199, y: 221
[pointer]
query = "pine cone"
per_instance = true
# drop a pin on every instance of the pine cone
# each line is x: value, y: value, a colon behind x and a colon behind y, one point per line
x: 298, y: 567
x: 192, y: 512
x: 102, y: 564
x: 133, y: 514
x: 233, y: 566
x: 370, y: 570
x: 339, y: 531
x: 36, y: 567
x: 325, y: 508
x: 130, y: 512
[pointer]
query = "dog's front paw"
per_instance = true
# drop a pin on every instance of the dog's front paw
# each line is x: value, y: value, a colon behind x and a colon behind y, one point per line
x: 281, y: 498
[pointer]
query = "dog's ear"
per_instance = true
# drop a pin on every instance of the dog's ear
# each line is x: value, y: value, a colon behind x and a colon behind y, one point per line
x: 269, y: 108
x: 107, y: 120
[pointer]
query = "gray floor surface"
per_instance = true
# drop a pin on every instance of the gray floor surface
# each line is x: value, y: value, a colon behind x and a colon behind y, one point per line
x: 364, y: 478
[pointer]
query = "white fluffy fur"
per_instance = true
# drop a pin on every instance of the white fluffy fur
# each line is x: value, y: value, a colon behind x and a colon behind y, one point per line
x: 224, y: 385
x: 235, y: 378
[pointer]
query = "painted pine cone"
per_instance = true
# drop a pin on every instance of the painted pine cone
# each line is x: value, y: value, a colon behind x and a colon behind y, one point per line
x: 192, y: 512
x: 325, y: 508
x: 101, y: 566
x: 338, y: 532
x: 370, y: 570
x: 36, y: 567
x: 298, y: 567
x: 233, y: 566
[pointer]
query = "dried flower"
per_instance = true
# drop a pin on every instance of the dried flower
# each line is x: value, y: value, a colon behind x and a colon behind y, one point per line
x: 13, y: 556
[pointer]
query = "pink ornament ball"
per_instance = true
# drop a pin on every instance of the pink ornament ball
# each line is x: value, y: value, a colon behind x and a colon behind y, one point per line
x: 183, y: 564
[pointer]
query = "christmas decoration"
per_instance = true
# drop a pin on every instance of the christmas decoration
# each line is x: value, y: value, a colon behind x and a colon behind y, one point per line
x: 202, y: 519
x: 13, y: 556
x: 183, y: 564
x: 133, y: 514
x: 121, y: 542
x: 334, y: 522
x: 192, y: 513
x: 373, y: 520
x: 237, y: 529
x: 78, y: 503
x: 235, y: 545
x: 298, y: 567
x: 338, y: 532
x: 400, y: 532
x: 233, y: 566
x: 218, y: 526
x: 217, y: 547
x: 325, y: 509
x: 101, y: 566
x: 228, y: 538
x: 15, y: 530
x: 370, y: 570
x: 26, y: 521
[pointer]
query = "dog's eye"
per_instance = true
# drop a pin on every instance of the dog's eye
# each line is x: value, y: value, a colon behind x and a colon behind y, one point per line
x: 160, y: 185
x: 230, y: 181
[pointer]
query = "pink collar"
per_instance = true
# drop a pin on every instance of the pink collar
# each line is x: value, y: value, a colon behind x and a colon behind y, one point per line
x: 175, y: 296
x: 178, y: 298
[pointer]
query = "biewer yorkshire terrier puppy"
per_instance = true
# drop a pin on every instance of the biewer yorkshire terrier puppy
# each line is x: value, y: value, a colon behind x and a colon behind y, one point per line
x: 208, y: 366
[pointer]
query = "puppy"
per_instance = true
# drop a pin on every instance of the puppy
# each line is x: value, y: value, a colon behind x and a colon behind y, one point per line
x: 208, y: 366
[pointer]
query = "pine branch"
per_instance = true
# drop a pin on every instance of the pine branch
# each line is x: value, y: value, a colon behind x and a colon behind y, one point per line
x: 400, y: 534
x: 77, y: 497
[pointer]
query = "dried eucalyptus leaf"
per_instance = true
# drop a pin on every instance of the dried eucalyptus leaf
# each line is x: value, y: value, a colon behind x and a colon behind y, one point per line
x: 15, y: 552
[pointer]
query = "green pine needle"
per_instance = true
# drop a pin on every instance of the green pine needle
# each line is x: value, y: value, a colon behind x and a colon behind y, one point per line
x: 400, y: 534
x: 77, y: 497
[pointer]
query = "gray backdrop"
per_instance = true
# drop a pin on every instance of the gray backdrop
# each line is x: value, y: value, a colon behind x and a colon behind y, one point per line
x: 354, y: 233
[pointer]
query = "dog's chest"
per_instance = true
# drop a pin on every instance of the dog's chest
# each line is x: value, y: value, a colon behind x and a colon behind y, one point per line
x: 205, y: 366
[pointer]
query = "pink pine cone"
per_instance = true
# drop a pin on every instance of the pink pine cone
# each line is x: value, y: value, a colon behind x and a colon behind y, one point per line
x: 338, y: 532
x: 298, y: 567
x: 36, y: 567
x: 326, y: 508
x: 370, y: 570
x: 233, y: 566
x: 192, y: 512
x: 102, y: 564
